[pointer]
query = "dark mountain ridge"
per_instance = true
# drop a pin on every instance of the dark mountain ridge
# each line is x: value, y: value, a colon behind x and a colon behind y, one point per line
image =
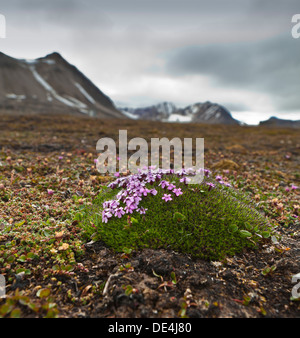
x: 50, y: 84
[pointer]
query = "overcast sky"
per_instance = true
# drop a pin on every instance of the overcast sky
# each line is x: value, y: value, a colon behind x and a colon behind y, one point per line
x: 239, y: 53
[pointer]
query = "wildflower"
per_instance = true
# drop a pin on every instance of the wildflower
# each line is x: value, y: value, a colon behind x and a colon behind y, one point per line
x: 151, y: 179
x: 171, y: 186
x: 164, y: 184
x: 219, y: 178
x: 153, y: 191
x: 116, y: 174
x: 137, y: 199
x: 210, y: 185
x: 177, y: 192
x: 129, y: 200
x: 185, y: 180
x: 294, y: 187
x: 130, y: 208
x: 105, y: 216
x: 119, y: 212
x: 167, y: 197
x: 141, y: 210
x: 50, y: 191
x: 144, y: 191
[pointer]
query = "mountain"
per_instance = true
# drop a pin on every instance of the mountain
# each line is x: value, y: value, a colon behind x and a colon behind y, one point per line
x: 276, y: 122
x: 159, y: 112
x: 206, y: 112
x: 50, y: 84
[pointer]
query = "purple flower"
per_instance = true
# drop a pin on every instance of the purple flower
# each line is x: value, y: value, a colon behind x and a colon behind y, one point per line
x: 185, y: 180
x: 294, y: 187
x: 167, y: 197
x: 114, y: 204
x: 130, y: 208
x: 171, y: 186
x: 141, y: 210
x: 119, y: 212
x: 50, y: 191
x: 144, y: 191
x: 177, y: 192
x: 164, y: 184
x: 210, y: 185
x: 137, y: 199
x: 207, y: 172
x: 151, y: 179
x: 106, y: 214
x: 219, y: 178
x: 129, y: 199
x: 153, y: 191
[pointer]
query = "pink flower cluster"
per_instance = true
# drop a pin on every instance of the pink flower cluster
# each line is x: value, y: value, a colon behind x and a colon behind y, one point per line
x: 134, y: 189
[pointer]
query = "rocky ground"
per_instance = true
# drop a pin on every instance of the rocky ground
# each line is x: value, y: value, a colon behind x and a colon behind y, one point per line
x: 47, y: 174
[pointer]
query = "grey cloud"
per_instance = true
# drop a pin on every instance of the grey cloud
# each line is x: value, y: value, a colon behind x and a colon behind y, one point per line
x: 124, y: 39
x: 271, y: 66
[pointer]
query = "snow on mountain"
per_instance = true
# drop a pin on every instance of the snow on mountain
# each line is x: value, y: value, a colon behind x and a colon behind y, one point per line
x: 206, y: 112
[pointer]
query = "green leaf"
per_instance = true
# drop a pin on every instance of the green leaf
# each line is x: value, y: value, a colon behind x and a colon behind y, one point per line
x: 16, y: 313
x: 31, y: 255
x: 134, y: 220
x: 127, y: 251
x: 128, y: 290
x: 245, y: 233
x: 22, y: 259
x: 43, y: 293
x: 233, y: 228
x: 5, y: 309
x: 10, y: 259
x: 178, y: 217
x: 19, y: 224
x: 173, y: 277
x: 266, y: 234
x: 78, y: 216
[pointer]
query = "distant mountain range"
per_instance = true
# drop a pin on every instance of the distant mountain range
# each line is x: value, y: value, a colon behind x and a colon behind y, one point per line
x: 276, y: 122
x: 207, y: 112
x: 50, y: 84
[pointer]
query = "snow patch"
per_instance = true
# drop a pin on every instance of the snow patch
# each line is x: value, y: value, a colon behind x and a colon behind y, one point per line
x: 15, y: 96
x: 71, y: 101
x: 166, y: 108
x: 179, y: 118
x: 85, y: 93
x: 209, y: 112
x: 130, y: 115
x: 49, y: 62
